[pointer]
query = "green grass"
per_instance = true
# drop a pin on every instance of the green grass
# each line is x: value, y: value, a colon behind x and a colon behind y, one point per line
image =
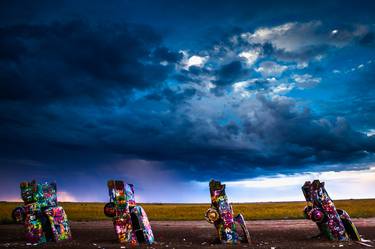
x: 251, y: 211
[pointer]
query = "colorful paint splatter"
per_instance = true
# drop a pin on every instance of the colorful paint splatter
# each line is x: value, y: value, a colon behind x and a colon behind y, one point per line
x: 221, y: 215
x: 130, y: 221
x: 334, y: 223
x: 59, y: 223
x: 44, y: 220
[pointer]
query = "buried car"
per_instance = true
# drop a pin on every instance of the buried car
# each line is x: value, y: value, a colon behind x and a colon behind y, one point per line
x: 43, y: 219
x: 334, y: 223
x: 221, y: 215
x: 130, y: 220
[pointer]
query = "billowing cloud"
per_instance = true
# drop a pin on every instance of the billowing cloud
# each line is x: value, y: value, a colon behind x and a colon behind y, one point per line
x: 295, y: 36
x: 233, y: 98
x: 182, y: 121
x: 251, y: 56
x: 270, y: 68
x: 196, y: 60
x: 305, y: 80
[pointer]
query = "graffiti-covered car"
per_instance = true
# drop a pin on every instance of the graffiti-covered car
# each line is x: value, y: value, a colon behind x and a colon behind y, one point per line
x: 43, y: 219
x: 130, y: 220
x: 221, y: 215
x: 334, y: 223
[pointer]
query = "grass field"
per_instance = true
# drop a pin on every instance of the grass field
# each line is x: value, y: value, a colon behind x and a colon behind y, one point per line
x: 252, y: 211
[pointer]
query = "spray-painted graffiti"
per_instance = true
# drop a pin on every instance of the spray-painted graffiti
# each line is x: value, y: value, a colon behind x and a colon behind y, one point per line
x: 43, y: 219
x: 334, y: 223
x: 221, y: 215
x: 130, y: 220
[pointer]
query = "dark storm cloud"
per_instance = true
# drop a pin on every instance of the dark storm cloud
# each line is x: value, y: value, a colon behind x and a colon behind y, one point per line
x: 173, y: 96
x: 164, y: 54
x: 277, y: 135
x: 75, y: 59
x: 308, y: 138
x: 80, y: 93
x: 229, y: 73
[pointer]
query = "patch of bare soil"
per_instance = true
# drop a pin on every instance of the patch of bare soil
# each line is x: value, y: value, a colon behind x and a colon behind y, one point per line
x: 196, y: 234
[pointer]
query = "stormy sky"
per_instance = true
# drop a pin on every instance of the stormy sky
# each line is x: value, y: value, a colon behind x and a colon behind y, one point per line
x: 262, y: 95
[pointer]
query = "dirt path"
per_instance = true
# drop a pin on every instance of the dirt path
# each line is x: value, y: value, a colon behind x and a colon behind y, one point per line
x: 195, y: 234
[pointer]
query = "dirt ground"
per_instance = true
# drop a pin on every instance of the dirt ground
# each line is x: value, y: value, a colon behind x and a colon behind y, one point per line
x: 196, y: 234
